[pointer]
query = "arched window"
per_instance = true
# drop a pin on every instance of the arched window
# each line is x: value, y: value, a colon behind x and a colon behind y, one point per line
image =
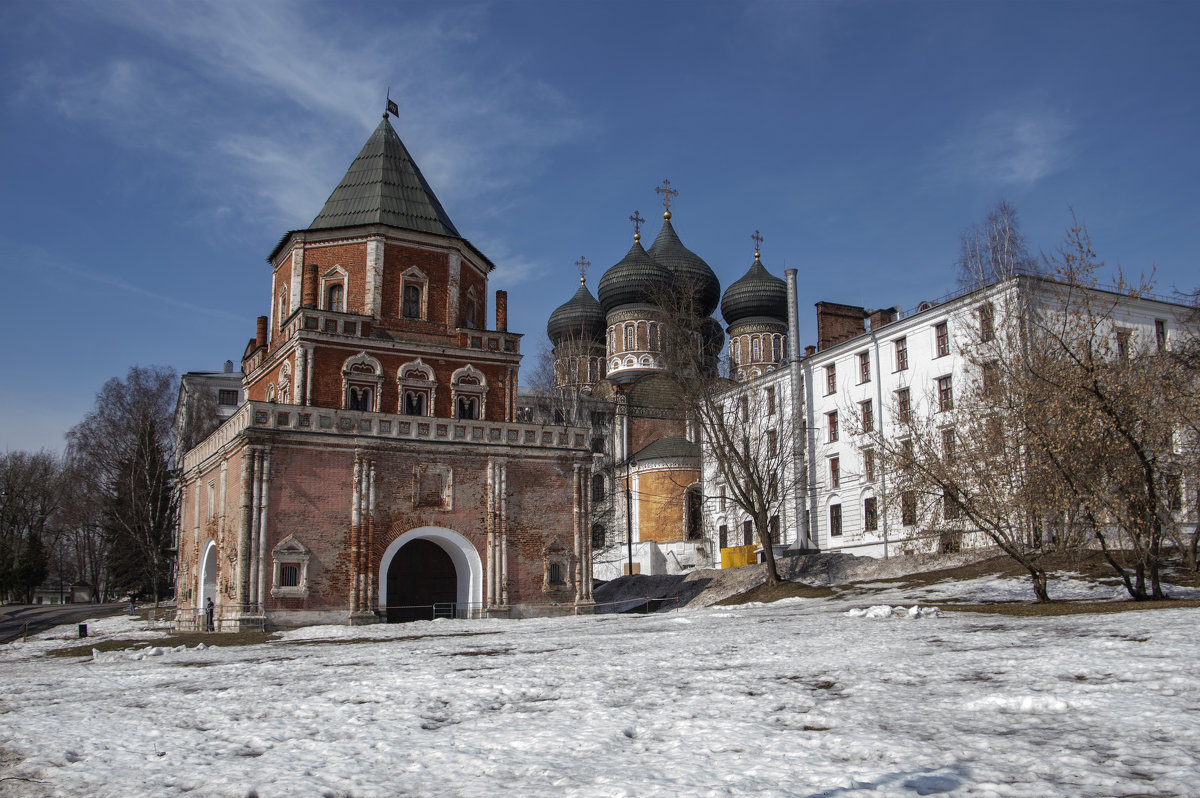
x: 335, y: 295
x: 629, y: 337
x: 414, y: 294
x: 776, y: 347
x: 414, y: 403
x: 282, y: 307
x: 412, y: 301
x: 360, y: 399
x: 468, y: 393
x: 362, y: 377
x: 598, y: 488
x: 653, y: 337
x: 599, y: 536
x: 467, y: 407
x: 694, y: 501
x: 754, y: 350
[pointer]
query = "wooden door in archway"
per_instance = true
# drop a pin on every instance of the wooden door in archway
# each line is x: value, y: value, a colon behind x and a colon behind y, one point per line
x: 420, y: 576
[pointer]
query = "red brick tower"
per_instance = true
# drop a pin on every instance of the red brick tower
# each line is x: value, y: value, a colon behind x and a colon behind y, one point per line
x: 376, y: 471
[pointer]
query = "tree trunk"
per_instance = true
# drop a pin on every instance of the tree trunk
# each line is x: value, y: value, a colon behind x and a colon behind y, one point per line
x: 1121, y: 572
x: 764, y: 539
x: 1040, y: 591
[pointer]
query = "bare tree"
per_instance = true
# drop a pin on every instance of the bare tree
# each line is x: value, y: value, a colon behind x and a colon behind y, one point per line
x: 1121, y: 401
x: 994, y: 250
x: 1073, y: 426
x: 125, y: 449
x: 962, y: 457
x: 749, y: 438
x: 31, y: 487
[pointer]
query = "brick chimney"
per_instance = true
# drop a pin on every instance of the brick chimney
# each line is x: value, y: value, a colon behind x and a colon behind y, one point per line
x: 810, y: 350
x: 501, y: 311
x: 883, y: 316
x: 260, y: 335
x: 837, y: 323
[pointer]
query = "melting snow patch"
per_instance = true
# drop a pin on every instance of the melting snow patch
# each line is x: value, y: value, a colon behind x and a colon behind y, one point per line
x: 885, y: 611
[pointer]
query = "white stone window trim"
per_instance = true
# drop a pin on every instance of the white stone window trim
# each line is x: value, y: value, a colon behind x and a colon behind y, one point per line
x: 410, y: 277
x: 289, y: 551
x: 335, y: 275
x: 360, y: 379
x: 476, y: 390
x: 426, y: 384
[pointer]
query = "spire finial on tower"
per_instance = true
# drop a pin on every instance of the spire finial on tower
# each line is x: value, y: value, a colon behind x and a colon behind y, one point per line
x: 667, y: 192
x: 637, y: 225
x: 758, y: 239
x: 583, y: 264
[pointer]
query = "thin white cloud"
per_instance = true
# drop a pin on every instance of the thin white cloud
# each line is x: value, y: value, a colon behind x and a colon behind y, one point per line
x: 265, y: 103
x: 1009, y: 148
x: 43, y: 261
x: 512, y: 268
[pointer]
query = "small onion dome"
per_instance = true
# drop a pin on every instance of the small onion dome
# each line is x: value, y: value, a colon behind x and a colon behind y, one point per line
x: 636, y: 279
x: 688, y: 270
x: 758, y: 294
x: 579, y: 316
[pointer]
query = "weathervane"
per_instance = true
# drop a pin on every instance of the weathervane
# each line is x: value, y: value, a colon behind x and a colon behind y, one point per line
x: 667, y: 192
x: 757, y: 241
x: 583, y: 264
x: 391, y: 107
x: 637, y: 225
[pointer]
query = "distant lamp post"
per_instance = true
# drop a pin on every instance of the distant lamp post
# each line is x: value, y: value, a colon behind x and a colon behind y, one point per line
x: 629, y: 514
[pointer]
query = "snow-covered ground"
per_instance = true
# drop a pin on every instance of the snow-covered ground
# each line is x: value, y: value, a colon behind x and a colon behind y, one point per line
x: 798, y: 698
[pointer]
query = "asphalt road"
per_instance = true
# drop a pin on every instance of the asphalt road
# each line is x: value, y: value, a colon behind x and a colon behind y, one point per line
x: 13, y: 617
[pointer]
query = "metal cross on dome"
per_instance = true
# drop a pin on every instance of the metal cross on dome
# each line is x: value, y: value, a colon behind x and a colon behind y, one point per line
x: 637, y: 225
x: 667, y: 192
x: 758, y: 239
x: 583, y: 264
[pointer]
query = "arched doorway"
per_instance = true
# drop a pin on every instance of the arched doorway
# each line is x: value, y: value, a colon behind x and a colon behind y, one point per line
x: 207, y: 588
x: 444, y: 569
x: 420, y: 577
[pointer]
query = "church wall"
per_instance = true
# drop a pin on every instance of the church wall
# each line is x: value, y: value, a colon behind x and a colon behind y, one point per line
x: 540, y: 518
x: 645, y: 431
x: 202, y: 521
x: 435, y: 264
x: 311, y: 497
x: 660, y: 510
x: 256, y: 390
x: 282, y: 283
x: 350, y: 257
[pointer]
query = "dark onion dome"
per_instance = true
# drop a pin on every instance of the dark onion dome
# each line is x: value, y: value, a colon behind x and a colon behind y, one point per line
x: 579, y: 316
x: 758, y: 294
x: 687, y: 268
x: 637, y: 279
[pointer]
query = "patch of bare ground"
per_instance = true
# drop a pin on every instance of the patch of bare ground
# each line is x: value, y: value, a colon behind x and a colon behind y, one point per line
x: 1089, y: 564
x: 1054, y: 608
x: 768, y: 593
x: 189, y: 639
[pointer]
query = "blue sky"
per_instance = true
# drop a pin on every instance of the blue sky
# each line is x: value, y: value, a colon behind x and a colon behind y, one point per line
x: 156, y: 152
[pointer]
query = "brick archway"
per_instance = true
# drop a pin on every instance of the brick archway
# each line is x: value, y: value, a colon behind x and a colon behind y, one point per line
x: 467, y: 565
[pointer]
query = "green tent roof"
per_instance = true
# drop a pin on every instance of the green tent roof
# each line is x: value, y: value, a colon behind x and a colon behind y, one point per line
x: 384, y: 186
